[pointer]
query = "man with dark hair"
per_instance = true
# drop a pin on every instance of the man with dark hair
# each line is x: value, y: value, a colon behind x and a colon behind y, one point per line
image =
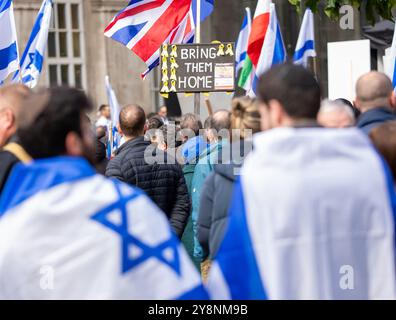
x: 292, y: 96
x: 311, y: 203
x: 105, y: 116
x: 62, y: 126
x: 163, y: 182
x: 102, y: 238
x: 375, y: 98
x: 11, y: 152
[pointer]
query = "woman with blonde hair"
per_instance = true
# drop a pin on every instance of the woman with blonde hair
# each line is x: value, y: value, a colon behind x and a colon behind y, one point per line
x: 217, y: 191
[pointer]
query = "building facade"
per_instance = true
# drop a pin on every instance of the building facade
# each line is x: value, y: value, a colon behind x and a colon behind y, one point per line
x: 80, y: 55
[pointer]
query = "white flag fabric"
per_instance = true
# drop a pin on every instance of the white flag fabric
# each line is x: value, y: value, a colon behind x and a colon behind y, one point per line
x: 33, y: 56
x: 306, y: 40
x: 243, y: 41
x: 390, y: 61
x: 9, y: 58
x: 312, y: 217
x: 68, y: 233
x: 115, y: 109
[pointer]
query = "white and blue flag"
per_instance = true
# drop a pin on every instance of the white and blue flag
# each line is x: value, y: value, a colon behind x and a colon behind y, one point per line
x: 306, y: 40
x: 69, y: 233
x: 114, y: 136
x: 309, y: 219
x: 33, y: 56
x: 9, y: 58
x: 243, y: 41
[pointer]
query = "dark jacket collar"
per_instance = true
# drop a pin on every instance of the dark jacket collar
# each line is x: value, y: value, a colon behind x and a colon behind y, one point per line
x: 376, y: 115
x: 132, y: 144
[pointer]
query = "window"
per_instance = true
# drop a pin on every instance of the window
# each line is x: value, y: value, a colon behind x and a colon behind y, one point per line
x: 66, y: 45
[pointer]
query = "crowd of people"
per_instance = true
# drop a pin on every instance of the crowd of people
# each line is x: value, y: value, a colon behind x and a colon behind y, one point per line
x: 267, y: 198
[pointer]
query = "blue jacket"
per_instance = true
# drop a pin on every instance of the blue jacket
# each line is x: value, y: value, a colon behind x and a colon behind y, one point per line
x: 374, y: 118
x: 204, y: 167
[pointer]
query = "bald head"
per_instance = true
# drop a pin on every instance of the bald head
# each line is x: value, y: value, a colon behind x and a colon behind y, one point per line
x: 132, y: 121
x: 373, y: 89
x: 12, y: 98
x: 221, y: 120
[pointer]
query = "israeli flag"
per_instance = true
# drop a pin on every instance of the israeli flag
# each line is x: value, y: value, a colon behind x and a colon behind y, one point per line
x: 69, y: 233
x: 9, y: 58
x: 33, y: 57
x: 114, y: 136
x: 243, y: 40
x: 390, y: 61
x: 309, y: 219
x: 306, y: 40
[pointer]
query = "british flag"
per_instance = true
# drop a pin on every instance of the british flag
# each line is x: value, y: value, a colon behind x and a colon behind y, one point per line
x: 144, y: 25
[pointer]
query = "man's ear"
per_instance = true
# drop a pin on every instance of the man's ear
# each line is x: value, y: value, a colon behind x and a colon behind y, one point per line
x: 356, y: 104
x: 119, y: 129
x: 276, y: 113
x: 8, y: 119
x: 74, y: 145
x: 392, y: 100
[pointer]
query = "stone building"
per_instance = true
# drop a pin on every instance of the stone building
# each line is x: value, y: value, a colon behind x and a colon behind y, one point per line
x: 79, y: 54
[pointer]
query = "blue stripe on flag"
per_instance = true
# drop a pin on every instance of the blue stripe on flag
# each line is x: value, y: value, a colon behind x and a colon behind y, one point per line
x: 245, y: 22
x: 308, y: 45
x: 27, y: 180
x: 279, y: 50
x: 237, y: 248
x: 206, y: 9
x: 197, y: 293
x: 4, y: 5
x: 391, y: 189
x: 125, y: 35
x: 8, y: 55
x: 394, y: 75
x: 242, y: 56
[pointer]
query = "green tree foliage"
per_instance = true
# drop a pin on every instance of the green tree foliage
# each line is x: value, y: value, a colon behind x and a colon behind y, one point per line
x: 381, y: 8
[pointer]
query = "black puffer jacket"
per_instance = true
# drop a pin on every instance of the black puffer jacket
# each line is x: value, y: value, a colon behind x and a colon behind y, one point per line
x: 215, y: 201
x: 163, y: 183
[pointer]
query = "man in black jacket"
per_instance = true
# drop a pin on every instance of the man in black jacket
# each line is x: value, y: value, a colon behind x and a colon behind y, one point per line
x: 11, y: 98
x: 139, y: 164
x: 375, y: 99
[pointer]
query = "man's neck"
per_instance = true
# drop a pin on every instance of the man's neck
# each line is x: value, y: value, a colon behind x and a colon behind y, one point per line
x: 131, y: 138
x: 364, y: 110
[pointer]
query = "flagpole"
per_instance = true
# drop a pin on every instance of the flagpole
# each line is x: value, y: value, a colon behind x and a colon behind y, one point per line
x: 197, y: 96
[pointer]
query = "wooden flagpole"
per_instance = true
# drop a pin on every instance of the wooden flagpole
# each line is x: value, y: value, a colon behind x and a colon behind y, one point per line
x: 197, y: 96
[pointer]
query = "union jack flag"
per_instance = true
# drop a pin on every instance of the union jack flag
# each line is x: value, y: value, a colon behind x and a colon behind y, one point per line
x: 144, y: 25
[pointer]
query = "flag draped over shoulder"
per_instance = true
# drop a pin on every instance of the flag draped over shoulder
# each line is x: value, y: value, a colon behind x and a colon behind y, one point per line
x: 68, y: 233
x: 9, y: 58
x: 144, y: 25
x: 306, y: 40
x: 309, y: 219
x: 33, y: 56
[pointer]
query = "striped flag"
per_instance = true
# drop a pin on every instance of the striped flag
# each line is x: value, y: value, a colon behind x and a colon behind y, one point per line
x: 243, y: 41
x: 33, y: 57
x: 114, y: 137
x: 256, y: 39
x: 9, y: 57
x: 265, y: 47
x: 306, y: 40
x: 272, y: 52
